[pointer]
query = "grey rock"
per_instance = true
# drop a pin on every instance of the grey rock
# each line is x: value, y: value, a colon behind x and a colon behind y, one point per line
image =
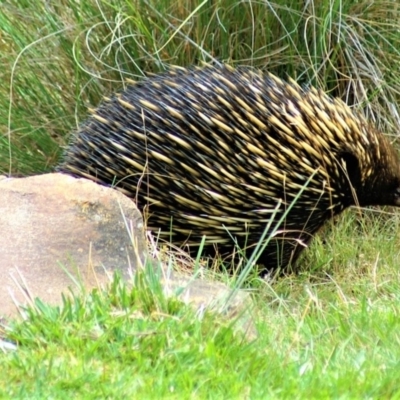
x: 59, y: 232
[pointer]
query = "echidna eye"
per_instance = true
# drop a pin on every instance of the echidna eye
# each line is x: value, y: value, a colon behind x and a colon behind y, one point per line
x: 396, y: 196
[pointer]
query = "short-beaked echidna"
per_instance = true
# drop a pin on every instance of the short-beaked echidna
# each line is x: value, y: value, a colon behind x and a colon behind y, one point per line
x: 214, y: 150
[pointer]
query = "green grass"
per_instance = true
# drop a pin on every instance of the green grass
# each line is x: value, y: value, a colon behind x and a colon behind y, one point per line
x: 321, y: 339
x: 331, y: 331
x: 126, y: 342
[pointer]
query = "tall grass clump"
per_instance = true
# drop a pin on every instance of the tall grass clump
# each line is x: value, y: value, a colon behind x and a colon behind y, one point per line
x: 60, y: 58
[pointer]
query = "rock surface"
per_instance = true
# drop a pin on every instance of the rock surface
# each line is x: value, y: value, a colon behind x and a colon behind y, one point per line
x: 59, y: 233
x: 56, y: 230
x: 205, y: 294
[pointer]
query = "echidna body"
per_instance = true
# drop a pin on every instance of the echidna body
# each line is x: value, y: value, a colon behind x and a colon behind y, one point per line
x: 228, y: 153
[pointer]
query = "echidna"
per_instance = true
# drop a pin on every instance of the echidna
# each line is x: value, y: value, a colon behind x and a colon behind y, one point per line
x: 228, y: 153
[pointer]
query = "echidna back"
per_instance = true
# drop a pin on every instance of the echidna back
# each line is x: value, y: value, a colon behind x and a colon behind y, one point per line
x: 226, y: 153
